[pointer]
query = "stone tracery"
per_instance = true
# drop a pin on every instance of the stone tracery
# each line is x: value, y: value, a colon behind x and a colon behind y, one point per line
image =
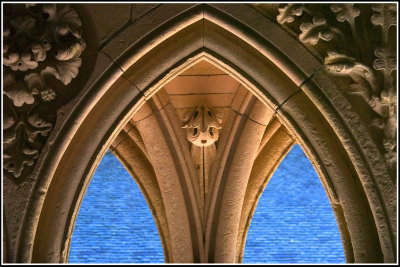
x: 37, y: 70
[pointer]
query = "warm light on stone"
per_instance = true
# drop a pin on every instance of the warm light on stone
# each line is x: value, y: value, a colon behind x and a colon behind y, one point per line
x: 203, y: 126
x: 247, y: 81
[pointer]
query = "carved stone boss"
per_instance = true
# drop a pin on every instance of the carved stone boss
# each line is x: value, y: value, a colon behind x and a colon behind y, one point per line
x: 202, y: 130
x: 41, y: 55
x: 358, y: 45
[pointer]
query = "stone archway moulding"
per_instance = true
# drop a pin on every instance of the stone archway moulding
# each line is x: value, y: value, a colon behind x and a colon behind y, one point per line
x: 273, y: 65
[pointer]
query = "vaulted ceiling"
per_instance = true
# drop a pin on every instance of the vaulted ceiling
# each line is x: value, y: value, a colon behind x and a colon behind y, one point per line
x: 240, y: 138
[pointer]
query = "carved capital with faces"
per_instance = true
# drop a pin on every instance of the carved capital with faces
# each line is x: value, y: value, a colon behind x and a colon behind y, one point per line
x: 202, y: 127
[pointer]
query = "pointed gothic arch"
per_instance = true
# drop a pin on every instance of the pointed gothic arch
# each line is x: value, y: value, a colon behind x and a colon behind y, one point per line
x: 276, y: 68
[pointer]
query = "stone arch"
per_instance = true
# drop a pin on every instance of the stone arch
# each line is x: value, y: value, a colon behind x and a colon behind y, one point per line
x: 276, y: 68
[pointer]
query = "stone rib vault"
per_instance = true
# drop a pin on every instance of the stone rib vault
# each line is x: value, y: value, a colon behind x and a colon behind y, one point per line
x: 154, y: 148
x: 200, y: 102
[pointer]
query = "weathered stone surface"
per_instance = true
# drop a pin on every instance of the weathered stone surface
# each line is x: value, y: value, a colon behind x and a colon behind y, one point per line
x: 138, y: 10
x: 109, y: 19
x: 324, y: 72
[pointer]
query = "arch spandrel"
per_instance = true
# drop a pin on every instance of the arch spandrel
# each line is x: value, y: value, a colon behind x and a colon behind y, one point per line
x: 66, y: 174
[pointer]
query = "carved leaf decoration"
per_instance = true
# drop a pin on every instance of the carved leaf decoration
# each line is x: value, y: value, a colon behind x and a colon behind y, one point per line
x: 70, y: 16
x: 68, y: 20
x: 23, y: 23
x: 389, y: 141
x: 20, y: 97
x: 385, y: 16
x: 65, y: 71
x: 72, y: 51
x: 287, y: 13
x: 343, y: 65
x: 35, y: 126
x: 34, y: 82
x: 364, y: 78
x: 356, y: 62
x: 312, y: 32
x: 49, y: 34
x: 20, y: 158
x: 8, y: 79
x: 376, y: 104
x: 21, y: 63
x: 10, y: 59
x: 339, y: 63
x: 40, y: 50
x: 51, y: 10
x: 202, y: 129
x: 17, y: 91
x: 385, y: 60
x: 8, y: 122
x: 345, y: 12
x: 373, y: 101
x: 18, y: 137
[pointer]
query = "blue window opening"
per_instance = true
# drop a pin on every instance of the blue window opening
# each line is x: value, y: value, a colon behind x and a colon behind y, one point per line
x: 294, y: 221
x: 114, y: 223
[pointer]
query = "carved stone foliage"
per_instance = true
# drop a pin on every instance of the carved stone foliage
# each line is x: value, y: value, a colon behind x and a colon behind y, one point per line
x: 202, y: 130
x: 203, y: 126
x: 41, y: 55
x: 357, y: 44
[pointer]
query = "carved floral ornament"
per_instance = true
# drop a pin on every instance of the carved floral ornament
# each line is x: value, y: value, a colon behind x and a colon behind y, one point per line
x: 202, y: 127
x: 357, y: 42
x: 40, y: 42
x: 43, y: 42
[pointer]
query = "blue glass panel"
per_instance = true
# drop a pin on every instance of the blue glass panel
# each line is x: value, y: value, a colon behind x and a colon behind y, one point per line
x: 294, y: 221
x: 114, y: 223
